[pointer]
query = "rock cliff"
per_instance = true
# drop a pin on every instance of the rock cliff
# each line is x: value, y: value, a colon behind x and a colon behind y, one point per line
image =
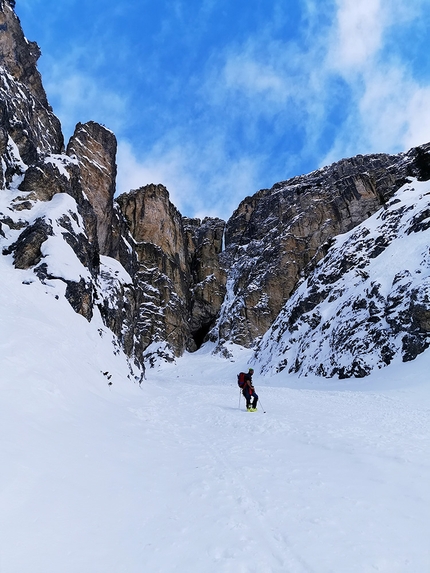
x: 164, y: 283
x: 366, y: 303
x: 277, y: 236
x: 94, y: 148
x: 25, y: 115
x: 179, y: 280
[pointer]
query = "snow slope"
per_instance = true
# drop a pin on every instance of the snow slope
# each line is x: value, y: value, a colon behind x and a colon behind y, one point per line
x: 173, y: 476
x: 366, y: 304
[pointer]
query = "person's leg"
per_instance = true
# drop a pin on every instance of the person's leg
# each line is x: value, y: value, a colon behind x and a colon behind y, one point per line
x: 254, y: 403
x: 247, y: 397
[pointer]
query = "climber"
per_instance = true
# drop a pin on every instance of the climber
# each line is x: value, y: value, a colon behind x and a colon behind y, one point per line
x: 249, y: 392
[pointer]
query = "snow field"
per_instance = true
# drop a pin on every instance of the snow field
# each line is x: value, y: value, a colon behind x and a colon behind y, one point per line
x: 325, y: 481
x: 173, y: 477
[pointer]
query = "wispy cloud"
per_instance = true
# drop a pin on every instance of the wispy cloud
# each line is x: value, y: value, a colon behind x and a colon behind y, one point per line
x: 185, y: 170
x: 245, y: 74
x: 357, y: 33
x: 389, y: 111
x: 297, y: 82
x: 79, y: 95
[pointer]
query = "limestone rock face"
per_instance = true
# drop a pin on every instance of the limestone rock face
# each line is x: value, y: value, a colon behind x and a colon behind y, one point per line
x: 277, y: 236
x: 25, y: 115
x: 365, y: 303
x: 94, y: 147
x: 27, y: 249
x: 162, y: 279
x: 208, y: 277
x: 154, y: 219
x: 178, y: 280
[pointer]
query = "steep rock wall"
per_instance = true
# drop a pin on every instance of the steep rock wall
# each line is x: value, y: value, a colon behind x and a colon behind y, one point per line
x: 208, y: 278
x: 25, y: 115
x: 94, y: 148
x: 180, y: 284
x: 366, y: 303
x: 277, y: 236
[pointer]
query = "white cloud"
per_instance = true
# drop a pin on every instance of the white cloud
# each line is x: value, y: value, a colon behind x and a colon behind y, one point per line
x: 159, y: 166
x: 185, y: 171
x: 389, y: 110
x: 358, y: 37
x: 394, y: 111
x: 243, y: 73
x: 78, y: 95
x: 360, y: 28
x: 418, y: 112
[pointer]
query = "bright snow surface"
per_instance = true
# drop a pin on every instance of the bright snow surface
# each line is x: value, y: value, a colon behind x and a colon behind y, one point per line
x: 173, y: 476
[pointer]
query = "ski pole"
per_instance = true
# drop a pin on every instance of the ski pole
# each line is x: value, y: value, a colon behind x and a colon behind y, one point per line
x: 239, y: 398
x: 264, y: 411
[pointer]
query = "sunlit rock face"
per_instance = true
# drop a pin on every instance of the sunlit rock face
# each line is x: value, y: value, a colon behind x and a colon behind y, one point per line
x: 179, y: 276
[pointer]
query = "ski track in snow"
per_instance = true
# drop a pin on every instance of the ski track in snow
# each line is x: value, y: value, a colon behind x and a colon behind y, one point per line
x: 225, y: 463
x: 326, y: 481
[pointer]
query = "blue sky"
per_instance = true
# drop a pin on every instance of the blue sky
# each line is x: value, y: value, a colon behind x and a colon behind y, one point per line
x: 217, y: 99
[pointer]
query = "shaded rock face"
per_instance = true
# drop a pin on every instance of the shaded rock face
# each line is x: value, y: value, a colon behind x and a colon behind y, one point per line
x: 27, y: 249
x: 59, y: 174
x: 365, y: 303
x: 25, y: 115
x: 277, y: 236
x: 208, y: 278
x: 94, y: 148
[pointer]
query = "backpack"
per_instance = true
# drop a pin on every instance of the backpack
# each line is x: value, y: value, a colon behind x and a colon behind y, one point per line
x: 241, y: 380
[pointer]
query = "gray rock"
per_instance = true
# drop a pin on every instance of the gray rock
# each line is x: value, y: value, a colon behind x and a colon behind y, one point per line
x: 94, y: 147
x: 38, y: 132
x: 27, y: 249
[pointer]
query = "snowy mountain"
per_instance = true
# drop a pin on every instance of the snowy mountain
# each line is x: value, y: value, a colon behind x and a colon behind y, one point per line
x: 165, y: 284
x: 104, y: 470
x: 366, y: 304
